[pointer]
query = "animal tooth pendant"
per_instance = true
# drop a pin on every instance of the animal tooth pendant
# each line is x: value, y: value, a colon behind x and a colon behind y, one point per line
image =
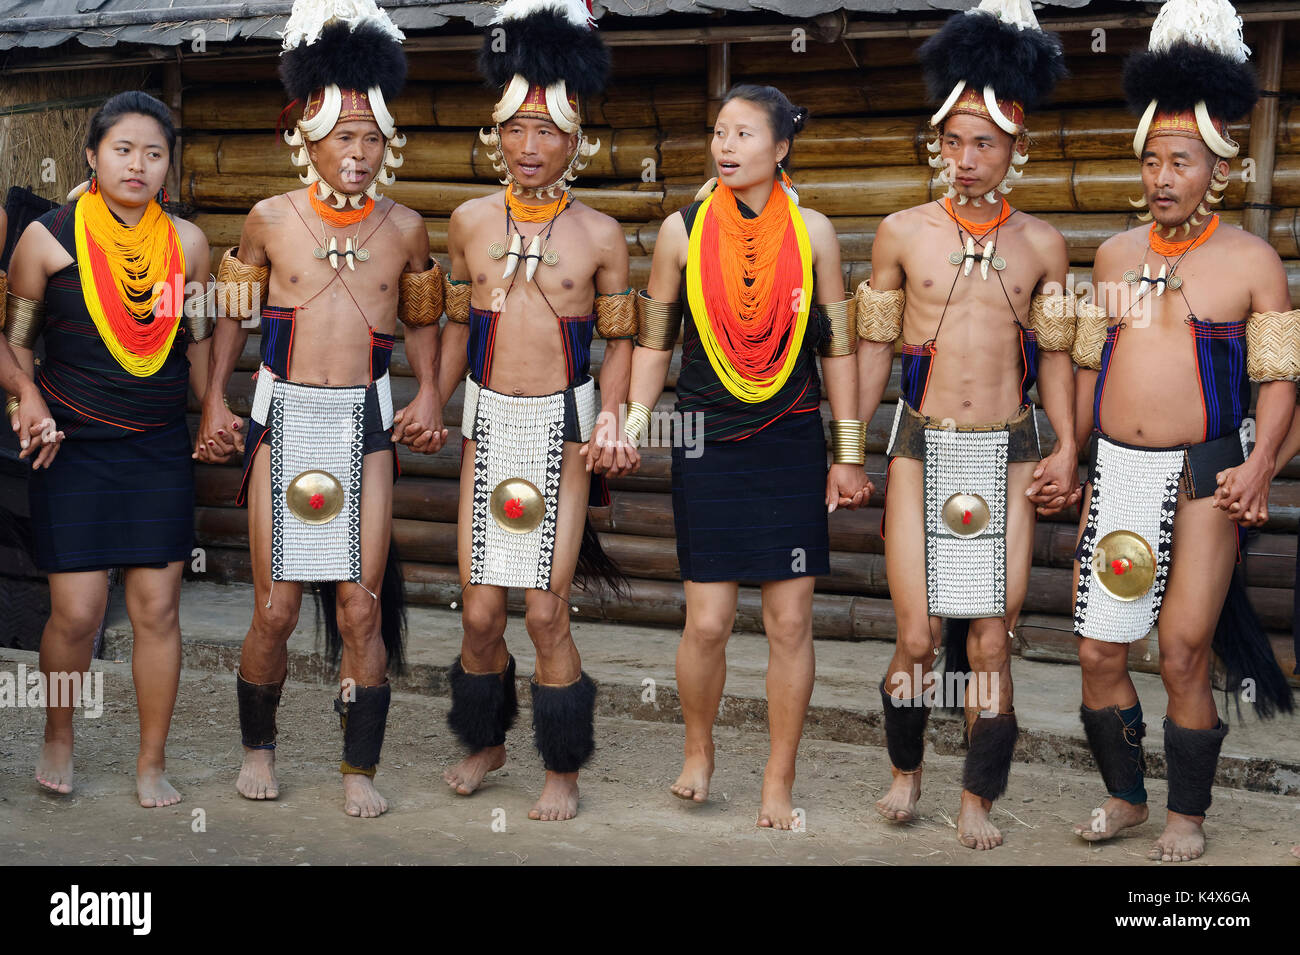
x: 334, y: 253
x: 350, y: 254
x: 534, y: 257
x: 1160, y: 282
x: 512, y: 256
x: 970, y: 256
x: 985, y: 260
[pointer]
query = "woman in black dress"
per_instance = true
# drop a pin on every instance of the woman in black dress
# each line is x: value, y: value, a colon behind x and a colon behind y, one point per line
x: 762, y: 294
x: 101, y: 281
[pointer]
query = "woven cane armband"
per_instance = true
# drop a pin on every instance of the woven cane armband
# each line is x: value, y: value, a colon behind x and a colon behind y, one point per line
x: 236, y: 282
x: 842, y: 318
x: 4, y: 287
x: 24, y: 319
x: 1273, y: 346
x: 1052, y: 319
x: 455, y: 299
x: 880, y: 314
x: 657, y: 323
x: 420, y: 297
x: 1090, y: 321
x: 616, y: 315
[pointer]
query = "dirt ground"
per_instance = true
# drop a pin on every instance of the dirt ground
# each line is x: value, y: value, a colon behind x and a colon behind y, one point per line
x: 627, y: 814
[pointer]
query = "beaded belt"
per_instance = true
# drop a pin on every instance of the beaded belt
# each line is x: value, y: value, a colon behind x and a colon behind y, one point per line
x: 518, y: 452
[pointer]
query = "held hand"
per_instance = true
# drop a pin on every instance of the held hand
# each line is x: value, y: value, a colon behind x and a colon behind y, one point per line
x: 419, y: 425
x: 1056, y: 482
x: 609, y: 451
x: 847, y: 486
x: 1243, y: 492
x: 37, y: 433
x: 221, y: 432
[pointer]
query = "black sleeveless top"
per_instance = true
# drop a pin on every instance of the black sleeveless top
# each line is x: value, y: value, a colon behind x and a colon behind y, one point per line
x: 726, y: 417
x: 89, y: 394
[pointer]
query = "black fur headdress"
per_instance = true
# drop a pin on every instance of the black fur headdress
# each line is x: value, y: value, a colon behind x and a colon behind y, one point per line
x: 1196, y: 53
x: 982, y: 47
x: 545, y: 41
x: 351, y: 59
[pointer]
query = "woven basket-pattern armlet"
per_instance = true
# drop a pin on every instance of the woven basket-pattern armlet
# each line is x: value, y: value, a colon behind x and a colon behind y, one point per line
x: 456, y: 299
x: 1089, y: 334
x: 1273, y: 346
x: 1052, y: 319
x: 616, y: 315
x: 880, y: 314
x: 420, y: 297
x: 241, y: 289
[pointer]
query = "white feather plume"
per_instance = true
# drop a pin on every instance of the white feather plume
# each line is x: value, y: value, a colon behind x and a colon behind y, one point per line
x: 1213, y: 24
x: 309, y: 17
x: 1019, y: 12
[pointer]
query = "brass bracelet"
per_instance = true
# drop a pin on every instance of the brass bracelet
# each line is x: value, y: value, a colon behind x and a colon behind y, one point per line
x: 849, y: 441
x: 24, y: 319
x: 200, y: 311
x: 11, y: 408
x: 842, y: 317
x: 636, y: 422
x: 657, y: 322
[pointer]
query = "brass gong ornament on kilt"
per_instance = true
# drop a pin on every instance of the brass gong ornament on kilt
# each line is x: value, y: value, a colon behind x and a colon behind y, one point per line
x: 314, y: 497
x: 966, y: 514
x: 1125, y: 565
x: 517, y: 506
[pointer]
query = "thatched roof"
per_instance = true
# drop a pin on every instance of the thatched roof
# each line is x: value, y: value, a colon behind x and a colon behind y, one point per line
x: 103, y: 23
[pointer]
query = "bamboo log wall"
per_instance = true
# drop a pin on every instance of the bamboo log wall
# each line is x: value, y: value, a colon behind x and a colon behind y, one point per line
x: 861, y: 157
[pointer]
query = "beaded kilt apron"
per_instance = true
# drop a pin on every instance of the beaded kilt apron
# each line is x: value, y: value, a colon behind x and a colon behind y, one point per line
x: 965, y: 495
x: 317, y: 445
x: 518, y: 453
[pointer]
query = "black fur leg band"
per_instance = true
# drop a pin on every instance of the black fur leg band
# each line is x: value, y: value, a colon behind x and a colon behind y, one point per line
x: 988, y: 761
x: 904, y: 730
x: 483, y: 705
x: 364, y: 720
x: 564, y: 723
x: 1191, y: 757
x: 257, y: 705
x: 1116, y: 745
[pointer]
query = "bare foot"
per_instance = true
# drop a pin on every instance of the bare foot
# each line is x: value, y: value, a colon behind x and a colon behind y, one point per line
x: 257, y: 775
x: 1295, y: 851
x: 776, y: 811
x: 153, y: 788
x: 1112, y: 817
x: 54, y: 768
x: 467, y: 775
x: 693, y: 782
x: 899, y: 804
x: 1182, y: 841
x: 559, y: 799
x: 360, y: 798
x: 974, y: 829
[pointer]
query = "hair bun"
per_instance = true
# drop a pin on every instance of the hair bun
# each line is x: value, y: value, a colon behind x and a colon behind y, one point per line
x: 798, y: 117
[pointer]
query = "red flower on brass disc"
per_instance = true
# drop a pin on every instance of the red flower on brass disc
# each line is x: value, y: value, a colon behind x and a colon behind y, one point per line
x: 1119, y: 565
x: 317, y: 501
x: 965, y: 517
x: 514, y: 508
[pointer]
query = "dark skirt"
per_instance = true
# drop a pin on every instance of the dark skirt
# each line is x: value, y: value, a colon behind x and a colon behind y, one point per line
x: 755, y: 509
x: 122, y: 502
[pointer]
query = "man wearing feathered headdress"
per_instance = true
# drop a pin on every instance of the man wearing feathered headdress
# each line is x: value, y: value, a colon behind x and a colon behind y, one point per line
x: 534, y: 272
x: 974, y: 288
x: 1189, y: 312
x: 337, y: 265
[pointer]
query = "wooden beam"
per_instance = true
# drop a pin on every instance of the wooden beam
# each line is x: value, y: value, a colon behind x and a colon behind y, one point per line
x: 1263, y: 132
